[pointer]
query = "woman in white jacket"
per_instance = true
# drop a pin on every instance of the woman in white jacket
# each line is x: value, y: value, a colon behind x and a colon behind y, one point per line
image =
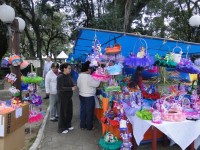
x: 51, y: 89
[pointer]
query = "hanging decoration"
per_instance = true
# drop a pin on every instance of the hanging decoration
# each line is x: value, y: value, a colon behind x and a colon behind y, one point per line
x: 14, y: 60
x: 167, y: 61
x: 141, y: 59
x: 176, y: 57
x: 187, y: 66
x: 101, y: 75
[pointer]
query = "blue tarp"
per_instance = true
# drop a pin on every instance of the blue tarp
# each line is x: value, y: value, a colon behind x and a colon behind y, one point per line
x: 129, y: 43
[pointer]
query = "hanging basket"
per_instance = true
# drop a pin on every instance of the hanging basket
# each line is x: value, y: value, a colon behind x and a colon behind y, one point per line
x: 101, y: 75
x: 167, y: 61
x: 142, y: 59
x: 15, y: 60
x: 176, y: 57
x: 187, y: 66
x: 113, y: 50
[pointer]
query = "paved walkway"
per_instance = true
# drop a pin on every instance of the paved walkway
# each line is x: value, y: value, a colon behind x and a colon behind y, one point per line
x: 74, y: 140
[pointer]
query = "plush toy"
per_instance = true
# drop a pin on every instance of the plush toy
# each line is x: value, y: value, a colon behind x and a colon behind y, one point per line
x: 141, y: 53
x: 109, y: 137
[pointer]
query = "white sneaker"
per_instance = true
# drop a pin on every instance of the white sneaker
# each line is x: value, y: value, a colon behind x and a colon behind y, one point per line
x: 66, y: 131
x: 52, y: 118
x: 71, y: 128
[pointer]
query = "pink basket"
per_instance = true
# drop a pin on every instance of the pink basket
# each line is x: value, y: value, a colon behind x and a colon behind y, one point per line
x: 173, y: 116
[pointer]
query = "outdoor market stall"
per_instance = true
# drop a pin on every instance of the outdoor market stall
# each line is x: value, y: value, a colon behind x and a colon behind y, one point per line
x: 124, y: 98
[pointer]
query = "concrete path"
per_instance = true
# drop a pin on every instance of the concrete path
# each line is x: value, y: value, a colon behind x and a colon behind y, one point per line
x: 74, y: 140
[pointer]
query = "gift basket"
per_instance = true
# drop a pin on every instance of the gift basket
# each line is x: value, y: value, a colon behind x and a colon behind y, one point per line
x: 142, y: 58
x: 166, y: 61
x: 110, y: 142
x: 101, y: 75
x: 176, y: 57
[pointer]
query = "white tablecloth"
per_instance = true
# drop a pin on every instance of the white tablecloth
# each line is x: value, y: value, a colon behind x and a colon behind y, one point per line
x: 182, y: 133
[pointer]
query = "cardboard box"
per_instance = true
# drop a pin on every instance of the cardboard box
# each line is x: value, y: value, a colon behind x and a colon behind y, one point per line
x: 13, y: 120
x: 13, y: 141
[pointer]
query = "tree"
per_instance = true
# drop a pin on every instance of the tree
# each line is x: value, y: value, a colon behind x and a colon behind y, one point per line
x: 3, y: 41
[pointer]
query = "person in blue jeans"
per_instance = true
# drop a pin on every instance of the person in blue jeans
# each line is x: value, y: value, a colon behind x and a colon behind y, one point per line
x: 87, y: 90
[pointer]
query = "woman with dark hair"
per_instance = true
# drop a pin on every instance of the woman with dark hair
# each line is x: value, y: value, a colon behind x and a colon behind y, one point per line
x: 50, y: 86
x: 65, y: 88
x: 87, y: 90
x: 136, y: 79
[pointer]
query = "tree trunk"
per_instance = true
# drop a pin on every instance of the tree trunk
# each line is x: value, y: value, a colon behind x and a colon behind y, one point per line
x: 3, y: 41
x: 31, y: 47
x: 127, y: 14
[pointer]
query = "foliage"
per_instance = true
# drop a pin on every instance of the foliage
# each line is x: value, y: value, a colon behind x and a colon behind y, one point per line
x: 50, y: 24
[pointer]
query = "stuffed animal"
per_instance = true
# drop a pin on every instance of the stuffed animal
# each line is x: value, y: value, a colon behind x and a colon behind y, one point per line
x: 109, y: 137
x: 141, y: 53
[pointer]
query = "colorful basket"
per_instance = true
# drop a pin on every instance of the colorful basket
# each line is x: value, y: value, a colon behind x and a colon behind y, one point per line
x: 113, y: 50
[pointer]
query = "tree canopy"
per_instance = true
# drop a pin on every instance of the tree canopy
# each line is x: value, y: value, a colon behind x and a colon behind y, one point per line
x: 51, y: 24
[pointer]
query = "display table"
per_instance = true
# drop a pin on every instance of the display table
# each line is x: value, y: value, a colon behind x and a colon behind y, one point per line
x: 182, y: 133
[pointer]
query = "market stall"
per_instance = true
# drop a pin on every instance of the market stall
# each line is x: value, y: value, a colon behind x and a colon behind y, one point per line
x: 128, y: 106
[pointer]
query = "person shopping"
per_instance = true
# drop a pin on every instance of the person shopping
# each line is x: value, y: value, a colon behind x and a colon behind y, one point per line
x: 65, y: 88
x: 136, y: 79
x: 87, y: 90
x: 50, y: 86
x: 47, y: 68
